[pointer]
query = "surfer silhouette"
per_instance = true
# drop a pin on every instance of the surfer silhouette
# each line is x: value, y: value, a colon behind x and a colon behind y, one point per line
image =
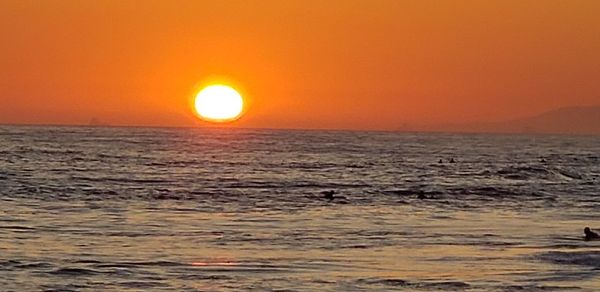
x: 328, y: 194
x: 590, y: 235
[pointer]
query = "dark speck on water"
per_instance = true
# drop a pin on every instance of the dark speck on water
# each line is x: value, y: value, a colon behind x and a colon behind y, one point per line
x: 328, y: 194
x: 138, y: 209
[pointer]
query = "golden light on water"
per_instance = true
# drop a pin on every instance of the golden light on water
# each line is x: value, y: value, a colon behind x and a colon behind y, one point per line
x: 219, y: 103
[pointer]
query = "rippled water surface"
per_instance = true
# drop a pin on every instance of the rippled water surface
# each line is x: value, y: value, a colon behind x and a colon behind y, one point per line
x: 224, y: 209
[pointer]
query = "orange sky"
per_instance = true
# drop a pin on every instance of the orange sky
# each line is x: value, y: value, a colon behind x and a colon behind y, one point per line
x: 302, y: 64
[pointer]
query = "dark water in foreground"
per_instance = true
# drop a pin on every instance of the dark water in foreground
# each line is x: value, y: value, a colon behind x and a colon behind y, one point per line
x: 190, y: 209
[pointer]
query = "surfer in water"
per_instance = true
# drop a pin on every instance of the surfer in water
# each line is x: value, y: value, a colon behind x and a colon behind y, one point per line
x: 590, y: 235
x: 328, y: 194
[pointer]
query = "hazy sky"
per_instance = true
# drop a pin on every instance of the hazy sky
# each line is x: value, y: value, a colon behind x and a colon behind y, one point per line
x: 371, y: 64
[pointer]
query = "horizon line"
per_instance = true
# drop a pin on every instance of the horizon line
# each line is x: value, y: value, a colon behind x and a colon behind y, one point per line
x: 217, y: 127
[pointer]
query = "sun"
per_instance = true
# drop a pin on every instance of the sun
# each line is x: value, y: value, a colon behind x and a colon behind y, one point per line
x: 219, y: 103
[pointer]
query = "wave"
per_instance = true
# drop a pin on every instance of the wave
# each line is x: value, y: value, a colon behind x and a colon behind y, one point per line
x: 580, y: 258
x: 391, y: 283
x: 529, y: 172
x: 427, y: 286
x: 473, y: 192
x: 73, y: 272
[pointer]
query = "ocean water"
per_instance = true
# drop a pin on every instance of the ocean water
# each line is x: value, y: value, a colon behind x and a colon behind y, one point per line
x: 141, y: 209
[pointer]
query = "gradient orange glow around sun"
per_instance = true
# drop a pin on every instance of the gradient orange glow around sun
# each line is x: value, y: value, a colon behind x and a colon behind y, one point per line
x: 219, y: 103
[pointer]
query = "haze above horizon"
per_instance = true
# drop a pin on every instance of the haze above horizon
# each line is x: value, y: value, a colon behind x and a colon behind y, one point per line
x: 300, y: 64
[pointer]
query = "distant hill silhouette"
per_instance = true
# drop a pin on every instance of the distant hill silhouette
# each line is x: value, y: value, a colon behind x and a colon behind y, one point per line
x: 567, y: 120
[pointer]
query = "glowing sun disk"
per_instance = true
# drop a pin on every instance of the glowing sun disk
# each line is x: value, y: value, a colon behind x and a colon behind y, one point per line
x: 219, y: 103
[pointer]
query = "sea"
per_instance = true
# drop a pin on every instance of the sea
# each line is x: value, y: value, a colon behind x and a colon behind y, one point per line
x: 224, y: 209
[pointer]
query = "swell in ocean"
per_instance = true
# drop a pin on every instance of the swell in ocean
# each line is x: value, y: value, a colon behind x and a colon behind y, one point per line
x: 230, y: 209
